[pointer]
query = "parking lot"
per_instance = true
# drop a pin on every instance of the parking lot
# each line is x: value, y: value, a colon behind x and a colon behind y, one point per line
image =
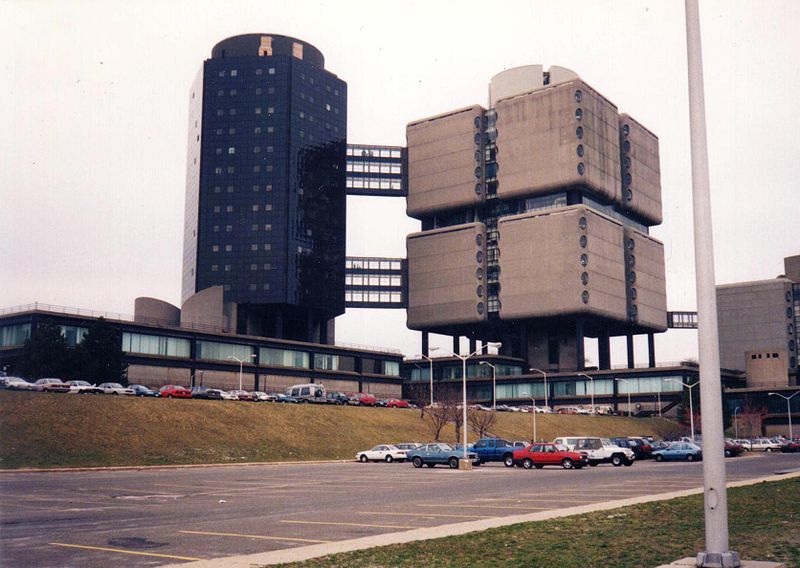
x: 160, y: 516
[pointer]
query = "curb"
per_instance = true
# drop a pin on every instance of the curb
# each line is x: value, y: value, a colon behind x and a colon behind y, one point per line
x: 318, y: 550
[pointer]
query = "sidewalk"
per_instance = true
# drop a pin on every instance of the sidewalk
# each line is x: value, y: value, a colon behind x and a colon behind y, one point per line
x: 317, y: 550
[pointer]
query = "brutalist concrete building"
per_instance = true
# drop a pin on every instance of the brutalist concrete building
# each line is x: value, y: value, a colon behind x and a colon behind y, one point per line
x: 535, y: 219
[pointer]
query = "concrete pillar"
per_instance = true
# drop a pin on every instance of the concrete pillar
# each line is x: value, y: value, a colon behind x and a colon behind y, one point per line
x: 629, y: 345
x: 651, y: 349
x: 456, y: 345
x: 426, y: 344
x: 580, y: 354
x: 604, y: 350
x: 473, y: 345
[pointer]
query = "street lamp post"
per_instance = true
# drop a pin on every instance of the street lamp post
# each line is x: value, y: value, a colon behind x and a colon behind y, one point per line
x: 788, y: 408
x: 431, y: 369
x: 658, y: 392
x: 494, y: 384
x: 545, y: 384
x: 241, y: 363
x: 591, y: 379
x: 691, y: 404
x: 629, y: 395
x: 735, y: 423
x: 533, y: 411
x: 201, y: 377
x: 464, y: 389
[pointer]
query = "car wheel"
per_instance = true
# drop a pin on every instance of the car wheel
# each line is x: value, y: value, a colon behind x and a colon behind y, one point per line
x: 690, y: 458
x: 453, y: 463
x: 115, y: 392
x: 768, y: 450
x: 566, y: 463
x: 417, y: 461
x: 389, y: 459
x: 508, y: 460
x: 659, y: 458
x: 616, y: 460
x: 628, y: 463
x: 363, y: 458
x: 728, y: 453
x: 592, y: 464
x: 527, y: 463
x: 169, y: 396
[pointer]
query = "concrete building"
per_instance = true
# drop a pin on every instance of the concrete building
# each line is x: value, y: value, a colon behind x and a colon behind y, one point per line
x: 535, y: 219
x: 265, y: 190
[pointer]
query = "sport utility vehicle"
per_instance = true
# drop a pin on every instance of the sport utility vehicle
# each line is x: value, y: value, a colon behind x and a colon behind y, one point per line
x: 598, y: 450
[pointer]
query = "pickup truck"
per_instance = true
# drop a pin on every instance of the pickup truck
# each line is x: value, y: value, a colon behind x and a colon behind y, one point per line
x: 494, y: 449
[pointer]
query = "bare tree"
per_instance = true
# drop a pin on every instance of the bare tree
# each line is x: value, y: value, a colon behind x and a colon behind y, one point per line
x: 481, y: 422
x: 417, y: 393
x: 438, y: 417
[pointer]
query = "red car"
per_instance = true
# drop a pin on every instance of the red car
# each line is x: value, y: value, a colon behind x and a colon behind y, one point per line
x: 244, y: 395
x: 363, y: 399
x: 174, y: 391
x: 397, y: 403
x: 539, y: 455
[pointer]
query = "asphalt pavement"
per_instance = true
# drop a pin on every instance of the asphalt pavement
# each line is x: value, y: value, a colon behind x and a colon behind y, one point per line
x: 153, y: 517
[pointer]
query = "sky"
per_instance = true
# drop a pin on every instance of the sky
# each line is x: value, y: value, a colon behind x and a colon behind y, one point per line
x: 94, y: 111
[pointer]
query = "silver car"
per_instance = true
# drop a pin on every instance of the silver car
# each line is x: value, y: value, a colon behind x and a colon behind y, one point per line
x: 115, y: 388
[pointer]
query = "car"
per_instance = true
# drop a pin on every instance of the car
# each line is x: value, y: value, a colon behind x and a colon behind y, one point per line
x: 440, y: 453
x: 17, y: 383
x: 310, y: 392
x: 408, y: 445
x: 518, y: 444
x: 764, y: 444
x: 174, y: 391
x: 732, y: 450
x: 660, y: 445
x: 141, y: 390
x: 280, y: 397
x: 383, y: 452
x: 51, y: 385
x: 397, y: 403
x: 598, y: 450
x: 244, y: 395
x: 206, y: 393
x: 641, y: 448
x: 539, y: 455
x: 746, y: 444
x: 261, y: 396
x: 679, y: 451
x: 83, y: 387
x: 494, y: 449
x: 791, y: 446
x: 362, y: 399
x: 336, y: 398
x: 567, y: 410
x: 115, y: 388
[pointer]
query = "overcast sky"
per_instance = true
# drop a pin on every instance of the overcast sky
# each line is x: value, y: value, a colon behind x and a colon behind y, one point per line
x: 94, y: 109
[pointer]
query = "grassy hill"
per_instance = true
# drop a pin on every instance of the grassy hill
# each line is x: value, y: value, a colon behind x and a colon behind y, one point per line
x: 60, y: 430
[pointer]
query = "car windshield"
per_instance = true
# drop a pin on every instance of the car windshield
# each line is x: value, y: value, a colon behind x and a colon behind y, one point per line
x: 113, y: 385
x: 444, y: 447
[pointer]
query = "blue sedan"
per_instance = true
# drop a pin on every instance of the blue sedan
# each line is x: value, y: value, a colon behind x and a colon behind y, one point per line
x: 432, y: 454
x: 682, y: 451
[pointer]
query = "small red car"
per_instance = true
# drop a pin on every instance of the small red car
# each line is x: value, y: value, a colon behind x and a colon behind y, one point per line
x: 397, y: 403
x: 363, y: 399
x: 539, y: 455
x: 174, y: 391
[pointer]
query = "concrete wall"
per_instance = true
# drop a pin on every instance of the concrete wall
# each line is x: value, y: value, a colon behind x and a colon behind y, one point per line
x: 641, y: 170
x: 153, y: 310
x: 752, y: 317
x: 442, y: 162
x: 538, y: 144
x: 646, y: 282
x: 156, y: 377
x: 383, y: 390
x: 445, y: 271
x: 541, y: 273
x: 791, y: 268
x: 766, y: 368
x: 206, y: 309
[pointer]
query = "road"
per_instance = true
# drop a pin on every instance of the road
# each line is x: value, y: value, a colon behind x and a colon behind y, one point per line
x: 159, y: 516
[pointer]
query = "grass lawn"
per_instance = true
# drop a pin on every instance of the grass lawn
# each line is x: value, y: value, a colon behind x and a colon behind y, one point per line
x: 62, y: 430
x: 764, y: 524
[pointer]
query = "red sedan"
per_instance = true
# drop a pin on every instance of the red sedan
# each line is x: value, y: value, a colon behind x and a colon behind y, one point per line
x: 539, y: 455
x: 397, y: 403
x: 174, y: 391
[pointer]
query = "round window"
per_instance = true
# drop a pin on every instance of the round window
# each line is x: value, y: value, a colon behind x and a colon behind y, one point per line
x: 581, y: 168
x: 628, y: 179
x: 477, y: 122
x: 626, y: 146
x: 788, y: 312
x: 626, y: 129
x: 479, y: 240
x: 632, y: 277
x: 626, y: 162
x: 788, y: 296
x: 583, y: 241
x: 628, y: 194
x: 578, y: 113
x: 633, y: 293
x: 631, y: 261
x: 478, y: 189
x: 579, y: 150
x: 631, y: 244
x: 477, y: 155
x: 479, y: 307
x: 479, y: 274
x: 585, y: 297
x: 478, y: 139
x: 579, y: 132
x: 634, y: 311
x: 790, y: 329
x: 578, y: 96
x: 478, y: 172
x: 584, y: 278
x: 791, y: 345
x: 479, y: 291
x: 479, y: 256
x: 584, y: 260
x: 582, y: 222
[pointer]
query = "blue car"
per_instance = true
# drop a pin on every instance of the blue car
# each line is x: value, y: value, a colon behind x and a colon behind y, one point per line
x: 141, y: 390
x: 438, y: 453
x: 680, y: 451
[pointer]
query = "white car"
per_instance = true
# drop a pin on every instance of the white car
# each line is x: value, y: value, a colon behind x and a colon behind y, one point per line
x: 115, y: 388
x: 17, y: 383
x: 384, y: 452
x: 82, y: 387
x: 765, y: 444
x: 598, y: 450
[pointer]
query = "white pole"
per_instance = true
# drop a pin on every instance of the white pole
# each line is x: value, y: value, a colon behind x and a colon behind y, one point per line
x: 736, y: 423
x: 431, y: 369
x: 691, y: 412
x: 533, y: 400
x: 464, y: 390
x: 788, y: 409
x: 591, y: 379
x: 545, y: 385
x: 659, y: 400
x: 494, y: 384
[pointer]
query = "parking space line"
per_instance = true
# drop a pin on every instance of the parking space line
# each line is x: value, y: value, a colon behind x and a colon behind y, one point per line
x: 349, y: 524
x: 482, y: 506
x: 424, y: 514
x: 257, y: 536
x: 534, y: 500
x: 123, y: 551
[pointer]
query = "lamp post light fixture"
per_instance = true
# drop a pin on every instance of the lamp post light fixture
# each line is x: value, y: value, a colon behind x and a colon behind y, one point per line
x: 591, y: 379
x: 735, y: 423
x: 533, y: 411
x: 241, y: 363
x: 431, y: 369
x: 691, y: 404
x: 545, y: 384
x: 629, y: 395
x: 464, y: 389
x: 788, y: 408
x: 201, y: 377
x: 494, y: 384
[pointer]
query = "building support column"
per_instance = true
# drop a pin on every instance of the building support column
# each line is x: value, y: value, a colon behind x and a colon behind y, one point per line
x: 651, y: 350
x: 473, y: 345
x: 629, y: 344
x: 604, y: 350
x: 457, y: 345
x: 426, y: 344
x: 580, y: 352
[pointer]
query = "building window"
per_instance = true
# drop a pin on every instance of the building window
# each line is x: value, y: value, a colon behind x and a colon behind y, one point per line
x: 234, y: 72
x: 231, y: 150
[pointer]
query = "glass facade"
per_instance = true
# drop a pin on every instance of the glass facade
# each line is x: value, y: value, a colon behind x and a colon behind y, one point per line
x: 284, y: 357
x: 145, y: 344
x: 648, y: 385
x: 215, y: 351
x: 14, y: 335
x: 376, y: 170
x: 375, y: 282
x: 326, y: 362
x: 73, y: 334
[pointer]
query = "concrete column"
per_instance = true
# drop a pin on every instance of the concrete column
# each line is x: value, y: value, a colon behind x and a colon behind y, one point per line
x: 426, y: 344
x: 651, y: 350
x: 629, y: 345
x: 456, y: 345
x: 604, y: 350
x: 473, y: 345
x: 580, y: 353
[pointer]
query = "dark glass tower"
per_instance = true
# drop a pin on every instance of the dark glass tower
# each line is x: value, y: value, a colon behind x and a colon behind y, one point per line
x: 265, y: 194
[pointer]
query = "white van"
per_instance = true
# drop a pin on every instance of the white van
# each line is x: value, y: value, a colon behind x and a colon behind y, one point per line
x: 312, y: 392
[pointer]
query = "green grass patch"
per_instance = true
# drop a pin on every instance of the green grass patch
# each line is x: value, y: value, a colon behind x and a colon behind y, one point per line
x: 61, y: 430
x: 763, y: 519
